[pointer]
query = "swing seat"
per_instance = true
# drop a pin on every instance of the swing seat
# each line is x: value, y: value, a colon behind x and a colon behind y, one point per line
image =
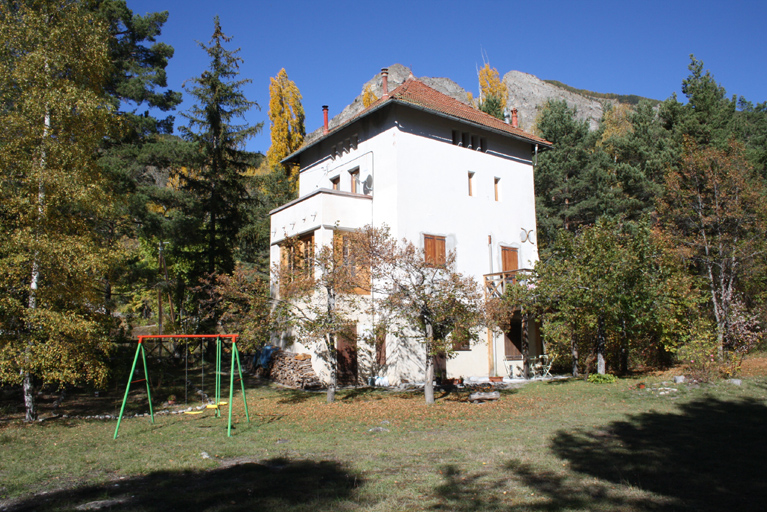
x: 211, y: 406
x: 223, y: 403
x: 193, y: 412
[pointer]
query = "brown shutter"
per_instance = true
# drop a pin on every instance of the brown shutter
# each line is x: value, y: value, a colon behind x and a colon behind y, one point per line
x: 509, y: 259
x: 434, y: 250
x: 440, y: 249
x: 430, y: 249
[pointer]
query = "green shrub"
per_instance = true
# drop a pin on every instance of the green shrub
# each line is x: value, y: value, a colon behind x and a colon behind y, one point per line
x: 598, y: 378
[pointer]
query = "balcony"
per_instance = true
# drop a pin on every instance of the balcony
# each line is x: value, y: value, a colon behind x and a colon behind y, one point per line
x: 495, y: 284
x: 321, y: 208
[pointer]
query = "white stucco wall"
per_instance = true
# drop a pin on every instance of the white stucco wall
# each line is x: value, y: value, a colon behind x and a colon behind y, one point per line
x: 420, y: 186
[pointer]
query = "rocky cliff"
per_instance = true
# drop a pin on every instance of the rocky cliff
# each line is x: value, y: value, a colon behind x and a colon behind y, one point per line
x: 527, y: 93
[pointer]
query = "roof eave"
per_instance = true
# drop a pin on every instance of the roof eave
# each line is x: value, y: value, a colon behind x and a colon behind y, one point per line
x: 292, y: 158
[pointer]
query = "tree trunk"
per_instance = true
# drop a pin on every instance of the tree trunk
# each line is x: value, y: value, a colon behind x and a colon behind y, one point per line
x: 29, y: 398
x: 331, y: 396
x: 601, y: 342
x: 624, y: 350
x: 331, y: 342
x: 574, y: 354
x: 525, y: 346
x: 28, y: 380
x: 428, y: 388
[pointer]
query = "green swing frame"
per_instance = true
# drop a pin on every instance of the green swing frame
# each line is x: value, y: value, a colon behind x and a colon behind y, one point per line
x: 219, y: 349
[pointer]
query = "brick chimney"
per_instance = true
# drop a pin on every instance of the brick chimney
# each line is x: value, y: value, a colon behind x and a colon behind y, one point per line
x: 514, y: 120
x: 325, y: 116
x: 385, y: 82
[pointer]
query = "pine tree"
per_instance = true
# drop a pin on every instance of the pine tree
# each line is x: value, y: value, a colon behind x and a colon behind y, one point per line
x: 54, y: 62
x: 138, y: 68
x: 559, y: 183
x: 287, y: 117
x: 219, y: 183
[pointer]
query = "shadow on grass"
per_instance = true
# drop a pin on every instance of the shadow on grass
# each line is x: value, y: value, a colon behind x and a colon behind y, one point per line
x: 276, y: 484
x: 712, y: 455
x: 566, y: 380
x: 709, y: 456
x: 294, y: 396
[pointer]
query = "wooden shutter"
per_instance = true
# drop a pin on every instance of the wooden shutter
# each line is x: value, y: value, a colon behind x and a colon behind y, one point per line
x: 512, y: 340
x: 509, y: 257
x: 346, y: 347
x: 434, y: 250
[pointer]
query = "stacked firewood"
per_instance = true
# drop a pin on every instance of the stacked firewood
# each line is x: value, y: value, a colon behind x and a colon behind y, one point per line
x: 294, y: 370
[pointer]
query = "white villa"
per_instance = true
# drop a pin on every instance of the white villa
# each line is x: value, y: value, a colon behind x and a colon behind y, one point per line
x: 441, y: 174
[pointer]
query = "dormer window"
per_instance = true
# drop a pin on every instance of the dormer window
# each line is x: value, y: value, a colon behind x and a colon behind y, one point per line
x: 335, y: 183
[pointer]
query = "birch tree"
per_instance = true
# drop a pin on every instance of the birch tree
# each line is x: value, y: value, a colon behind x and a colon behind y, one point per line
x: 713, y: 209
x: 53, y: 67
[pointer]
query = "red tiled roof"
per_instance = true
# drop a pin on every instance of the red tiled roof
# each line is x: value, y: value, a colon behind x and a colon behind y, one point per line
x: 417, y: 94
x: 420, y: 94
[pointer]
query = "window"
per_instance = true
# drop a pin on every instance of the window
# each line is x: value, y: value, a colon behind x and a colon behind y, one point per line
x: 469, y: 140
x: 463, y: 344
x: 497, y: 188
x: 471, y: 183
x: 336, y: 183
x: 355, y: 176
x: 297, y: 257
x: 344, y: 254
x: 434, y: 250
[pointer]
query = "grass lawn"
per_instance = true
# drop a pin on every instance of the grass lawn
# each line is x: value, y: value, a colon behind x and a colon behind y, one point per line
x: 562, y: 445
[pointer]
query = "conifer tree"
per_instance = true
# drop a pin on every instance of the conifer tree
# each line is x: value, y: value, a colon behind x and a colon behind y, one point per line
x: 218, y: 184
x: 287, y: 118
x: 54, y: 63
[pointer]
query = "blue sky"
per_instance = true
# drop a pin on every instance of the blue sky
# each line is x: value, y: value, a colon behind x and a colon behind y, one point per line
x: 331, y: 48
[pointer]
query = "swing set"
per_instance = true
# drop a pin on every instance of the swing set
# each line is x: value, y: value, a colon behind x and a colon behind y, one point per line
x: 219, y: 349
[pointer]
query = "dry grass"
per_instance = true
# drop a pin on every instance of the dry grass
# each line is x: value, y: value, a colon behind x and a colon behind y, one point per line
x: 547, y: 446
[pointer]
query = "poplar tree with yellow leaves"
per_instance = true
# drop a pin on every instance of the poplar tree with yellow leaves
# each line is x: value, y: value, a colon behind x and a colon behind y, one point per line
x: 492, y: 92
x: 54, y: 62
x: 287, y: 118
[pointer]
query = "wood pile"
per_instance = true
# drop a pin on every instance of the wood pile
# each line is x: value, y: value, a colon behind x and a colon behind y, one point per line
x: 294, y: 370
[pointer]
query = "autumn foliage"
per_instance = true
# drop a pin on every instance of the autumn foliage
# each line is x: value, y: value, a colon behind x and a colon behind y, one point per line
x: 287, y: 119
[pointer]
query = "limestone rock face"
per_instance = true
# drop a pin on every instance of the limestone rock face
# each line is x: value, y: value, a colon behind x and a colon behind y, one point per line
x: 527, y: 93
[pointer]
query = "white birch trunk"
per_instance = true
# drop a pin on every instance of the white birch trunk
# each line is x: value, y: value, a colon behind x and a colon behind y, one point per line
x: 34, y: 282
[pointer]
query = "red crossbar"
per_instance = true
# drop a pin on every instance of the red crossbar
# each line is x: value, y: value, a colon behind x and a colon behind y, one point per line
x: 232, y: 336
